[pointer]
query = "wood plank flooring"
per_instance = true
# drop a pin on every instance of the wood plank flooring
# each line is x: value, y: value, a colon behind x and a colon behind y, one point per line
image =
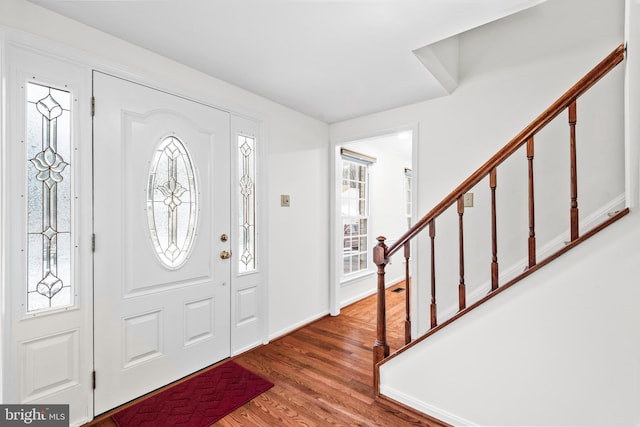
x: 323, y: 375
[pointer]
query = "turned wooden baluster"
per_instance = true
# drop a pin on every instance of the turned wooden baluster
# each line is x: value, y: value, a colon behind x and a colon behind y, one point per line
x: 574, y: 171
x: 462, y: 295
x: 432, y: 235
x: 532, y: 226
x: 493, y: 183
x: 380, y: 348
x: 407, y: 283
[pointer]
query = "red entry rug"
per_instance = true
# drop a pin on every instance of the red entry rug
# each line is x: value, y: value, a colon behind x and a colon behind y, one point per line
x: 197, y: 402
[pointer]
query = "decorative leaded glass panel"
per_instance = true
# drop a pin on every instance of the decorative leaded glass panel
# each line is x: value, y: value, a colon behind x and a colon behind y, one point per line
x: 247, y: 200
x: 172, y: 202
x: 49, y: 204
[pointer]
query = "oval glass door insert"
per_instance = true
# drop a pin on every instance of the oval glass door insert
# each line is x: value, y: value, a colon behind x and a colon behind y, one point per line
x: 172, y: 202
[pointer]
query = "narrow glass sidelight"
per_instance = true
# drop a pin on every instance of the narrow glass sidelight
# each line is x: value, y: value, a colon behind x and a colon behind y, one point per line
x: 247, y: 203
x: 172, y: 204
x: 49, y: 201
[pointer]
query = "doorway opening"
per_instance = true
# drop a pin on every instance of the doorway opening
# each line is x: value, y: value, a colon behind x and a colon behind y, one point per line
x: 373, y: 193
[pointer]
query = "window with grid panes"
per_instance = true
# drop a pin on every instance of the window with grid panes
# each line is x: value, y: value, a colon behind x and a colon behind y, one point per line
x: 355, y: 215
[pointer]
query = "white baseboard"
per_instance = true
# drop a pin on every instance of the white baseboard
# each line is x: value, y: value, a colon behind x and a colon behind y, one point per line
x: 357, y: 298
x: 424, y: 407
x: 298, y: 325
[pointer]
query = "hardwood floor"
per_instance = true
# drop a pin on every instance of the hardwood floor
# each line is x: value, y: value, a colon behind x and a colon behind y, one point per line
x: 323, y: 375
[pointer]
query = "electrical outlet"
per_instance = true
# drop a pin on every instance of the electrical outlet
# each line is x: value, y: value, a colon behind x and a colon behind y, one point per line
x: 468, y: 200
x: 285, y: 201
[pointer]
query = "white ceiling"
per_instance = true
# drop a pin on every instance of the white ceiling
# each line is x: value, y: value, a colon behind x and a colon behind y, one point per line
x: 330, y: 59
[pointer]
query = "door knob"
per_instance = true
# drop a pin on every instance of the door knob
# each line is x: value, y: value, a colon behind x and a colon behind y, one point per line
x: 225, y: 254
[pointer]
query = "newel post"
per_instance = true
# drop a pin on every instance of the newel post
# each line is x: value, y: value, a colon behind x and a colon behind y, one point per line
x: 380, y: 348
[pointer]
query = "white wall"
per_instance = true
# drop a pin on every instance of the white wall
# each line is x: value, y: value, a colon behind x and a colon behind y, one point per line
x: 298, y: 162
x: 511, y: 70
x: 297, y: 158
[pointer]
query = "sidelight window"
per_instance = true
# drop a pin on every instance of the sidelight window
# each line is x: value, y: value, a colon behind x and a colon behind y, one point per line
x: 247, y: 203
x: 48, y: 153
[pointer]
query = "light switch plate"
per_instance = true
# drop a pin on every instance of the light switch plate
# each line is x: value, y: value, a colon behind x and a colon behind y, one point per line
x: 468, y: 200
x: 285, y: 200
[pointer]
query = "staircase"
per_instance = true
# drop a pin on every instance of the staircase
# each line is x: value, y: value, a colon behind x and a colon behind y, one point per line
x: 524, y: 144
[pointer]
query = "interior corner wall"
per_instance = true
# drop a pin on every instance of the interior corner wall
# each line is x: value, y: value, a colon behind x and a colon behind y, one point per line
x: 298, y: 235
x: 297, y: 156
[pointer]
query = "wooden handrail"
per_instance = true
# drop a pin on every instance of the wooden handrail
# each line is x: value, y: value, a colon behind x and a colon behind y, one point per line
x: 606, y: 65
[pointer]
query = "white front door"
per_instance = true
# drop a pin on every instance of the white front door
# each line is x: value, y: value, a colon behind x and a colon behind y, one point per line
x: 161, y: 221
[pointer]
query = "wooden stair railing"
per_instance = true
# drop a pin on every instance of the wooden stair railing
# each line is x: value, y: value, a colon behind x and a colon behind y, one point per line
x: 382, y: 252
